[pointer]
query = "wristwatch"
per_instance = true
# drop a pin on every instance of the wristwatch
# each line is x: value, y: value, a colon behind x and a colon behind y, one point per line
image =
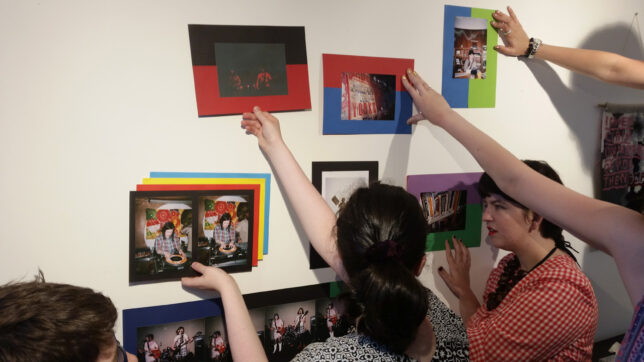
x: 532, y: 48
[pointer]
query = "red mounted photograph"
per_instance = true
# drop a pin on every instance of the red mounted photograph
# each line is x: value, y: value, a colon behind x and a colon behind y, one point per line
x: 238, y: 67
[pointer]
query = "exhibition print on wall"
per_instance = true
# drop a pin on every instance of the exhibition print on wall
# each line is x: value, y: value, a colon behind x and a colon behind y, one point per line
x: 451, y: 205
x: 469, y: 69
x: 285, y: 320
x: 622, y: 156
x: 170, y: 229
x: 238, y: 67
x: 364, y: 95
x: 336, y: 181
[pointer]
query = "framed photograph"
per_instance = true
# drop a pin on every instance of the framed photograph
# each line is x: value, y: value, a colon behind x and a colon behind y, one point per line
x: 169, y: 230
x: 257, y: 209
x: 622, y: 156
x: 237, y: 67
x: 469, y: 70
x: 220, y: 178
x: 336, y: 181
x: 365, y: 95
x: 286, y: 321
x: 451, y: 205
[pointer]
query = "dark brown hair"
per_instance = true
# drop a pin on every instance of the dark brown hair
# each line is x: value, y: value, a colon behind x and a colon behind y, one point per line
x: 42, y: 321
x: 381, y: 239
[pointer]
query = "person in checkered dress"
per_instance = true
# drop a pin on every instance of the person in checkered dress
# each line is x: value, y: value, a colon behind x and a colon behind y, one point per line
x: 608, y: 227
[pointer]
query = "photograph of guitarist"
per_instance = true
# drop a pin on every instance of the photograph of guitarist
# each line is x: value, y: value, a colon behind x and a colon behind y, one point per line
x: 218, y: 346
x: 300, y: 321
x: 277, y: 327
x: 180, y: 344
x: 151, y: 348
x: 331, y: 318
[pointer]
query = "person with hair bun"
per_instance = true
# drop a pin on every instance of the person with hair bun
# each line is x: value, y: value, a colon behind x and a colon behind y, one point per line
x: 376, y: 244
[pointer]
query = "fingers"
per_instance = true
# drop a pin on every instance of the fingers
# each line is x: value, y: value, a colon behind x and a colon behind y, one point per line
x: 444, y: 274
x: 448, y: 254
x: 418, y: 82
x: 501, y: 17
x: 512, y: 14
x: 416, y: 118
x: 198, y: 267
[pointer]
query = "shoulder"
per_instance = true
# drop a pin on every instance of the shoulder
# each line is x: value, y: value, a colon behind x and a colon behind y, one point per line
x: 347, y: 348
x: 561, y: 272
x: 448, y: 326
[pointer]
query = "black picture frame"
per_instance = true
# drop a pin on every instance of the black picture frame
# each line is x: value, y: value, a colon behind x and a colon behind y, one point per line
x: 317, y: 170
x: 146, y: 264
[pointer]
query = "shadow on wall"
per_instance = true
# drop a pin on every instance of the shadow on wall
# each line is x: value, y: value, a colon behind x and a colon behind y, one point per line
x: 577, y: 105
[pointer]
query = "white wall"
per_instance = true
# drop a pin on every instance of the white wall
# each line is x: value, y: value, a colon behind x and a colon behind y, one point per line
x: 96, y: 94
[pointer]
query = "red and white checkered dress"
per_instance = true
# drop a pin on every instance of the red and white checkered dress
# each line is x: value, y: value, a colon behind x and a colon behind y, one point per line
x: 551, y: 314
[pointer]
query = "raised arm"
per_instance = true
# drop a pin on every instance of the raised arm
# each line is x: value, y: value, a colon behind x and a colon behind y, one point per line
x: 315, y: 215
x: 244, y: 344
x: 605, y: 66
x: 609, y: 227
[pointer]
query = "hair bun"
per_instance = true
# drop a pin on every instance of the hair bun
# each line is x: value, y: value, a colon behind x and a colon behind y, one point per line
x: 384, y: 250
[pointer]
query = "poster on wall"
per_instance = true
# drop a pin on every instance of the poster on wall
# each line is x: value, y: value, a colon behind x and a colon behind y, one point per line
x: 171, y: 229
x: 364, y: 95
x: 451, y: 205
x: 469, y: 58
x: 241, y: 227
x: 227, y: 178
x: 336, y: 181
x: 622, y: 156
x: 238, y: 67
x: 285, y: 320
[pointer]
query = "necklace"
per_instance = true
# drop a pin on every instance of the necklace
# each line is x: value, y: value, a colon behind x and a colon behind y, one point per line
x: 512, y: 274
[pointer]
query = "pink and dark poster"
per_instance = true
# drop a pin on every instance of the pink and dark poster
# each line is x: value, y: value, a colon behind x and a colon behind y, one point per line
x: 622, y: 156
x: 238, y: 67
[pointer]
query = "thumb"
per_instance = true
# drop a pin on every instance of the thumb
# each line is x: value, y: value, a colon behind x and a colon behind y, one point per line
x: 503, y: 49
x: 198, y: 267
x: 415, y: 118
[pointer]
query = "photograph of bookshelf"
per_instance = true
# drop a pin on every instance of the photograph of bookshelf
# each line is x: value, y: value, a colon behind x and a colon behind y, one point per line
x: 445, y: 210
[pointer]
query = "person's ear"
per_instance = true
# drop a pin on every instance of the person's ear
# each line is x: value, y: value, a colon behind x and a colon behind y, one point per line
x: 535, y: 221
x: 421, y: 265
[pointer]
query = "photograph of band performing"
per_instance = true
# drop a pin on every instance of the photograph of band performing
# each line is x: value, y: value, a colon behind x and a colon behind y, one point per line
x: 251, y: 69
x: 288, y: 328
x: 201, y: 340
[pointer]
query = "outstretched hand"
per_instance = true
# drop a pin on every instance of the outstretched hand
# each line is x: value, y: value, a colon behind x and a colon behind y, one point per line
x: 264, y: 126
x: 457, y: 277
x: 432, y: 106
x: 211, y: 278
x: 514, y: 37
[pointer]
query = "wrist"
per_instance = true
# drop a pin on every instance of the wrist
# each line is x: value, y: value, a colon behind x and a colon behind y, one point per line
x: 533, y: 47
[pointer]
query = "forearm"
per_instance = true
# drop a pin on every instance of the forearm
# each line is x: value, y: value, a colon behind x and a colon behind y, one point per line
x: 468, y: 305
x: 244, y: 343
x: 314, y: 214
x: 605, y: 66
x: 577, y: 213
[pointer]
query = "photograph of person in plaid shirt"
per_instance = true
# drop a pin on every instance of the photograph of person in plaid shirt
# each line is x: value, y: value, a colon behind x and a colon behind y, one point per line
x: 224, y: 233
x: 168, y: 242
